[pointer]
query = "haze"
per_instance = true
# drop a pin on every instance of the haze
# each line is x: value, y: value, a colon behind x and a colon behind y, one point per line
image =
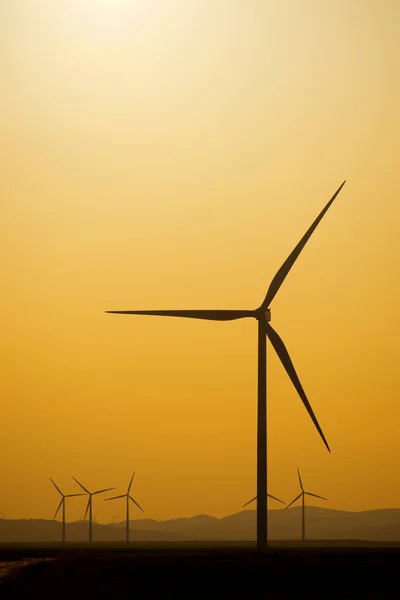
x: 170, y: 154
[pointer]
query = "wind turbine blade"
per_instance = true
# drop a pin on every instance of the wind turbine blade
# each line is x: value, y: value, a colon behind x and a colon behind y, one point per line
x: 289, y: 262
x: 101, y: 491
x: 83, y: 487
x: 87, y: 508
x: 56, y: 486
x: 283, y: 354
x: 59, y: 506
x: 269, y: 496
x: 293, y: 501
x: 115, y: 497
x: 315, y: 496
x: 130, y: 483
x: 255, y: 498
x: 209, y: 315
x: 301, y: 484
x: 72, y: 495
x: 273, y: 497
x: 133, y: 500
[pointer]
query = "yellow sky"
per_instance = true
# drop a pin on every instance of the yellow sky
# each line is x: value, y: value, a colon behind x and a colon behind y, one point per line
x: 170, y: 154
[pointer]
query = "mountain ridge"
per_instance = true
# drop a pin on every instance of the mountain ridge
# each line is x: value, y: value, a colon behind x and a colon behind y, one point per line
x: 321, y: 523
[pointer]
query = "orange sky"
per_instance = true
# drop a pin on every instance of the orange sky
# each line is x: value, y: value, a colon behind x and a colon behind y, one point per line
x: 170, y: 154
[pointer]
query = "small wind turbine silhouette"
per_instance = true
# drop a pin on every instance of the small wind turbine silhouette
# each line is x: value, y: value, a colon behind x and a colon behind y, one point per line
x: 263, y: 315
x: 269, y: 496
x: 2, y: 516
x: 89, y: 504
x: 302, y: 494
x: 128, y: 497
x: 62, y: 503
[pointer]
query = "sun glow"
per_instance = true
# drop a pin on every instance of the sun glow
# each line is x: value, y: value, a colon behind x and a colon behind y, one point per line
x: 102, y: 19
x: 170, y: 154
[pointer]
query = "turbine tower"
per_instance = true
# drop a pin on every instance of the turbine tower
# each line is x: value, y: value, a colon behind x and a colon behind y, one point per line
x: 302, y: 494
x: 62, y: 503
x: 263, y: 315
x: 128, y: 497
x: 269, y: 496
x: 89, y: 504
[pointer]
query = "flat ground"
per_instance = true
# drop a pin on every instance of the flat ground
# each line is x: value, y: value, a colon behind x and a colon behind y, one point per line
x: 185, y: 571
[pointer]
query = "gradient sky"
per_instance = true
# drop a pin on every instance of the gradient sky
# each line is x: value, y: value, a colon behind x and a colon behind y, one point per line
x: 170, y: 154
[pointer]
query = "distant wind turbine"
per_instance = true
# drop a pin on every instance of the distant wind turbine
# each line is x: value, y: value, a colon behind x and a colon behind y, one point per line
x: 89, y: 504
x: 128, y: 497
x: 62, y: 503
x: 269, y: 496
x: 302, y: 495
x: 2, y: 516
x: 263, y: 315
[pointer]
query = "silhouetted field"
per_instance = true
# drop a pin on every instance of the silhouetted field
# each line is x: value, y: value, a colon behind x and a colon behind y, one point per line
x: 17, y: 550
x: 228, y: 571
x: 11, y: 567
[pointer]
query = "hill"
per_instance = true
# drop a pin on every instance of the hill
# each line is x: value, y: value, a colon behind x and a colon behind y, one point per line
x: 321, y: 523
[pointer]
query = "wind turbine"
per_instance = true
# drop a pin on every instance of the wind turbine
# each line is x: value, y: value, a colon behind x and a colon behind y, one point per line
x: 89, y: 504
x: 263, y: 315
x: 302, y: 494
x: 2, y: 516
x: 128, y: 497
x: 62, y: 503
x: 269, y: 496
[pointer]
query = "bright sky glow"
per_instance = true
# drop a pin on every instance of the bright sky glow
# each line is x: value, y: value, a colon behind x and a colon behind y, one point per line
x: 169, y: 154
x: 103, y: 21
